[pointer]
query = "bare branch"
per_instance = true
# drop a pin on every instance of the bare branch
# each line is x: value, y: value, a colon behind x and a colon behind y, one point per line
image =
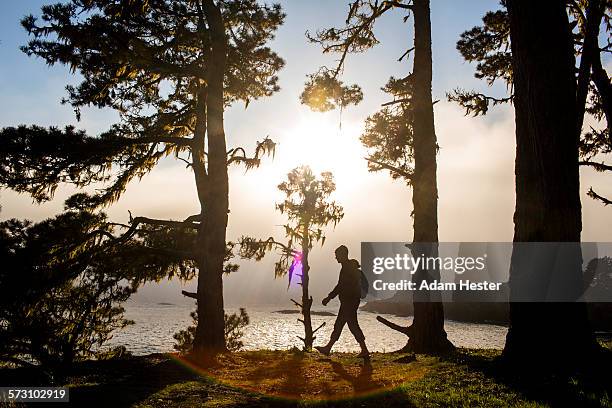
x: 403, y: 100
x: 405, y: 54
x: 402, y: 173
x: 591, y: 193
x: 194, y: 218
x: 407, y: 330
x: 192, y: 295
x: 315, y: 330
x: 376, y: 12
x: 597, y: 166
x: 189, y: 164
x: 398, y: 5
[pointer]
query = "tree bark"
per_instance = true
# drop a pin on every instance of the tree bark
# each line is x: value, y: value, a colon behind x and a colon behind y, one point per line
x: 548, y: 205
x: 427, y: 333
x: 214, y: 196
x: 306, y: 301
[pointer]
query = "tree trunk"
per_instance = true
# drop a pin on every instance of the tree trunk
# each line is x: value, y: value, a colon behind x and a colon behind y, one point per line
x: 427, y: 333
x: 306, y: 301
x: 210, y: 331
x: 548, y: 205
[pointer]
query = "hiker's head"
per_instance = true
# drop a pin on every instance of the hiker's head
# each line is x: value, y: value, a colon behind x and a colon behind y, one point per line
x: 342, y: 254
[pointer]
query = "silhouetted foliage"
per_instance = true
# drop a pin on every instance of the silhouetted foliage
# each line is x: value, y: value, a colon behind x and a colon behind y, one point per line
x: 234, y: 324
x: 307, y: 206
x: 489, y: 47
x: 169, y: 69
x: 324, y: 92
x: 308, y: 209
x: 61, y: 289
x: 598, y: 277
x: 389, y: 133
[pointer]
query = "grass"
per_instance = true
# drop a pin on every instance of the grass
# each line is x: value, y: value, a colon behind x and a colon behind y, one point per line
x: 294, y: 379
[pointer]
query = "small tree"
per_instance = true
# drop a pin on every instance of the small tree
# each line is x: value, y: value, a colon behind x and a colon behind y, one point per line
x: 234, y: 323
x: 309, y: 209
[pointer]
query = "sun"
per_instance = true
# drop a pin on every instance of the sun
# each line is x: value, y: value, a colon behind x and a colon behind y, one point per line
x: 315, y: 140
x: 319, y: 141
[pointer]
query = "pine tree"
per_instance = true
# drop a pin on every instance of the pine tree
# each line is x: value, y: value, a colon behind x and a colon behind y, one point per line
x: 400, y: 138
x: 169, y: 68
x: 516, y: 45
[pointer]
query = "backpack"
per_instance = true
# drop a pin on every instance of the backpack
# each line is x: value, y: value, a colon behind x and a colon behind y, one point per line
x: 365, y: 286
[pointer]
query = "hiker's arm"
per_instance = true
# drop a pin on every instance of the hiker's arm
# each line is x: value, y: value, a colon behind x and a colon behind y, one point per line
x: 332, y: 294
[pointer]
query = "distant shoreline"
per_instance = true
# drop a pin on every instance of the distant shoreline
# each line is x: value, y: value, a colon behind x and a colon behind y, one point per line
x: 313, y: 312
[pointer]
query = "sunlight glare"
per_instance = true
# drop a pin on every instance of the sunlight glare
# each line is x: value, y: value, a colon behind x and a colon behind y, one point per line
x: 318, y: 141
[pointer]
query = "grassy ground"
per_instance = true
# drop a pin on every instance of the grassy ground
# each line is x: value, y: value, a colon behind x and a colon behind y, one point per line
x: 294, y: 379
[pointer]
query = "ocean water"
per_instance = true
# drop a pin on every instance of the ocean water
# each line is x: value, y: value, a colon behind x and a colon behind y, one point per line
x: 156, y: 323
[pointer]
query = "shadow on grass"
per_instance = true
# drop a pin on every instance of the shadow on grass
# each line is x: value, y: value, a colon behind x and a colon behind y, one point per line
x: 362, y: 382
x: 464, y: 378
x: 112, y: 383
x: 124, y: 383
x: 303, y: 379
x: 588, y: 386
x: 289, y: 372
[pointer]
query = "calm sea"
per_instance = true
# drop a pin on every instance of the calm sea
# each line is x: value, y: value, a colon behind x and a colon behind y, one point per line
x: 156, y: 323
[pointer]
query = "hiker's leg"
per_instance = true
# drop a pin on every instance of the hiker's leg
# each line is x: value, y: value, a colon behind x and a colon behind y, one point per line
x: 338, y: 326
x: 353, y: 325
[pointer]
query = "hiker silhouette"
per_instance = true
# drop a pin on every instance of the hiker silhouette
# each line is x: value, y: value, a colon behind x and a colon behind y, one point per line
x: 348, y: 291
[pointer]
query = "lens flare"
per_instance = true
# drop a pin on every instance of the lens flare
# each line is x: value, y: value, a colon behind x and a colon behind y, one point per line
x: 296, y: 267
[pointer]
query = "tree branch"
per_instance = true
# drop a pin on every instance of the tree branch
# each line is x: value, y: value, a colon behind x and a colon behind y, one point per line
x: 591, y: 193
x: 179, y: 141
x: 403, y: 100
x: 405, y: 174
x: 192, y: 295
x: 407, y: 330
x: 597, y: 166
x: 238, y: 155
x: 377, y: 12
x: 405, y: 54
x: 132, y: 229
x: 315, y: 330
x: 398, y: 5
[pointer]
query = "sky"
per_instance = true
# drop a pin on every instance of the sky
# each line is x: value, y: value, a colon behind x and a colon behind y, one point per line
x: 475, y: 162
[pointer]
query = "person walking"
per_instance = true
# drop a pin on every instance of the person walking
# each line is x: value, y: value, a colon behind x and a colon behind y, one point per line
x: 348, y: 291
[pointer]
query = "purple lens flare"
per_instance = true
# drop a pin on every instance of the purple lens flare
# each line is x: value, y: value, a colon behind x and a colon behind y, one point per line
x: 296, y: 267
